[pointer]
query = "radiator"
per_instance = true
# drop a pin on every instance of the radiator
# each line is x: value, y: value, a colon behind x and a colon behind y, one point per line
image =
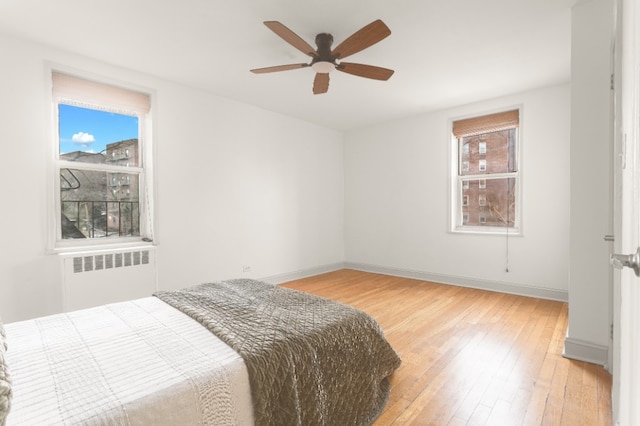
x: 107, y: 276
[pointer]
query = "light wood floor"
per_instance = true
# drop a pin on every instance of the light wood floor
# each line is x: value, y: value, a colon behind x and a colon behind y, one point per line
x: 473, y: 357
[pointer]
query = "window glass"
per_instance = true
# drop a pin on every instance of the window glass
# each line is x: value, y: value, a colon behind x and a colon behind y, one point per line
x: 99, y: 204
x: 499, y: 155
x: 94, y: 136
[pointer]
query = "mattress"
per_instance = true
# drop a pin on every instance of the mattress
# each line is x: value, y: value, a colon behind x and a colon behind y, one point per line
x: 138, y: 362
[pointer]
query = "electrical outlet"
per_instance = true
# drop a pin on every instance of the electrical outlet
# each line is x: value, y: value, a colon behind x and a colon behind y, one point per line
x: 246, y: 268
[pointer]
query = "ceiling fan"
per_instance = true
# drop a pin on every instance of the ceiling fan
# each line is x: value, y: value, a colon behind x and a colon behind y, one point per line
x: 324, y: 59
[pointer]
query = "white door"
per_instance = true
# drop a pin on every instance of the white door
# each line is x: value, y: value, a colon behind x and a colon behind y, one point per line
x: 626, y: 292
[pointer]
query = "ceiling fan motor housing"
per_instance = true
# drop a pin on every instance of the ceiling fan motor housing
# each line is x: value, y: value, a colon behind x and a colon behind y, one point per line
x: 324, y: 42
x: 324, y: 62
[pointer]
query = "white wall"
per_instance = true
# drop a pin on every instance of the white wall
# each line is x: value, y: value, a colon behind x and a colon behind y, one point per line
x: 397, y: 211
x: 236, y: 185
x: 269, y: 191
x: 592, y: 29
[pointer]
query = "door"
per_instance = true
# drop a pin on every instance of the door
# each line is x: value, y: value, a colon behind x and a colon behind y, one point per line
x: 626, y: 284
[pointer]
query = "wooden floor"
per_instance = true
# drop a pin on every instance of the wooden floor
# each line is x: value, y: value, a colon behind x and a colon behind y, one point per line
x: 473, y: 357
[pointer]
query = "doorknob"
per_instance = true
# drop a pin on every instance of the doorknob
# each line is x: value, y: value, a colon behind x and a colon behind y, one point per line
x: 629, y: 260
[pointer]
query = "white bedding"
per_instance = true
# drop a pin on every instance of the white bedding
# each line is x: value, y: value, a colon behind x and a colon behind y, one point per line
x: 138, y: 362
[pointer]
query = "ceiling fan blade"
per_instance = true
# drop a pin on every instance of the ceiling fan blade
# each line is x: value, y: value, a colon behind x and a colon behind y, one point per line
x: 278, y: 68
x: 368, y: 71
x: 321, y: 83
x: 361, y: 39
x: 292, y: 38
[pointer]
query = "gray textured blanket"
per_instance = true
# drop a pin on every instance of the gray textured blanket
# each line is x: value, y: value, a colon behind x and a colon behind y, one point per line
x: 311, y: 361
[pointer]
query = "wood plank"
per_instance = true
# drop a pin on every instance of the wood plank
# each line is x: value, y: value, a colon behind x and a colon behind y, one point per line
x: 472, y: 356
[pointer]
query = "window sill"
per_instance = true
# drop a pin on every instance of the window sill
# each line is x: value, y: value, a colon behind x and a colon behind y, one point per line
x: 485, y: 230
x: 93, y: 247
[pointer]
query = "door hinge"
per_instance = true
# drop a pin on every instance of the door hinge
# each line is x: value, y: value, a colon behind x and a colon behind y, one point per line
x: 612, y: 82
x: 611, y: 332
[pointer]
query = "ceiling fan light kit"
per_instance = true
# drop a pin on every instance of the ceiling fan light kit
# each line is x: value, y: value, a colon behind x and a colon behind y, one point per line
x: 324, y: 60
x: 323, y: 67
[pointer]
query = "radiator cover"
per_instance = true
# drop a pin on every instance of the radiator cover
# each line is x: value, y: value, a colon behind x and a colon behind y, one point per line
x: 97, y: 278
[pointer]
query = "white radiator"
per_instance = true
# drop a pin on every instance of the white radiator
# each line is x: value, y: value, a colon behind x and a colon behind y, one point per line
x: 107, y: 276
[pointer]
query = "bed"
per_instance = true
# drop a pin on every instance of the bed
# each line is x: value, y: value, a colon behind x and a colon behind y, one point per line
x: 236, y: 352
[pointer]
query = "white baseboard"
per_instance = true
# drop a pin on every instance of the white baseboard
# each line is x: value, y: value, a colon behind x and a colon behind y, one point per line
x: 501, y: 287
x: 304, y: 273
x: 585, y: 351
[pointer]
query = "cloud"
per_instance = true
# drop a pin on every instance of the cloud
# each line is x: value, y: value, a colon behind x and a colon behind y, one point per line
x: 82, y: 137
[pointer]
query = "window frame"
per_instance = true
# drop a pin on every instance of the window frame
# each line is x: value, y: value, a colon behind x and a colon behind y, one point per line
x: 144, y: 170
x: 456, y: 213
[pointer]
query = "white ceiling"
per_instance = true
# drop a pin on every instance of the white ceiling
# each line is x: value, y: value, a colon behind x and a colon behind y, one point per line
x: 444, y: 52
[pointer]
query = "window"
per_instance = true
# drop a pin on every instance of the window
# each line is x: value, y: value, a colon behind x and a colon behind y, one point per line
x: 102, y: 151
x: 494, y: 138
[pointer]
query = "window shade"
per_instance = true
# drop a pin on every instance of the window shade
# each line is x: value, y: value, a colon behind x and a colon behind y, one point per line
x: 81, y: 92
x: 486, y: 123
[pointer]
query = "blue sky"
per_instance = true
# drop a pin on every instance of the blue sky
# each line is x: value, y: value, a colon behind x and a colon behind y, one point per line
x: 88, y: 130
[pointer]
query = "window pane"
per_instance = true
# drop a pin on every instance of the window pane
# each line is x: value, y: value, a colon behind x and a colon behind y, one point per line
x: 497, y: 149
x: 98, y: 204
x: 93, y: 136
x: 493, y: 205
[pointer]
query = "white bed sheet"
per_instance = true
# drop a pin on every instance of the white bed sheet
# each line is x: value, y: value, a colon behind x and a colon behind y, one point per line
x: 140, y: 362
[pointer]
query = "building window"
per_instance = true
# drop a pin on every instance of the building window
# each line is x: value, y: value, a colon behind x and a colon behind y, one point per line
x: 495, y: 138
x: 102, y: 151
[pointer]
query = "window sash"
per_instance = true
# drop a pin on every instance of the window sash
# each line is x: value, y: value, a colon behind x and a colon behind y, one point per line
x: 63, y: 164
x: 67, y: 89
x: 462, y: 179
x: 460, y: 225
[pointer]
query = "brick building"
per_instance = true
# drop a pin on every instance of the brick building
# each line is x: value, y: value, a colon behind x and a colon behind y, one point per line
x: 488, y: 197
